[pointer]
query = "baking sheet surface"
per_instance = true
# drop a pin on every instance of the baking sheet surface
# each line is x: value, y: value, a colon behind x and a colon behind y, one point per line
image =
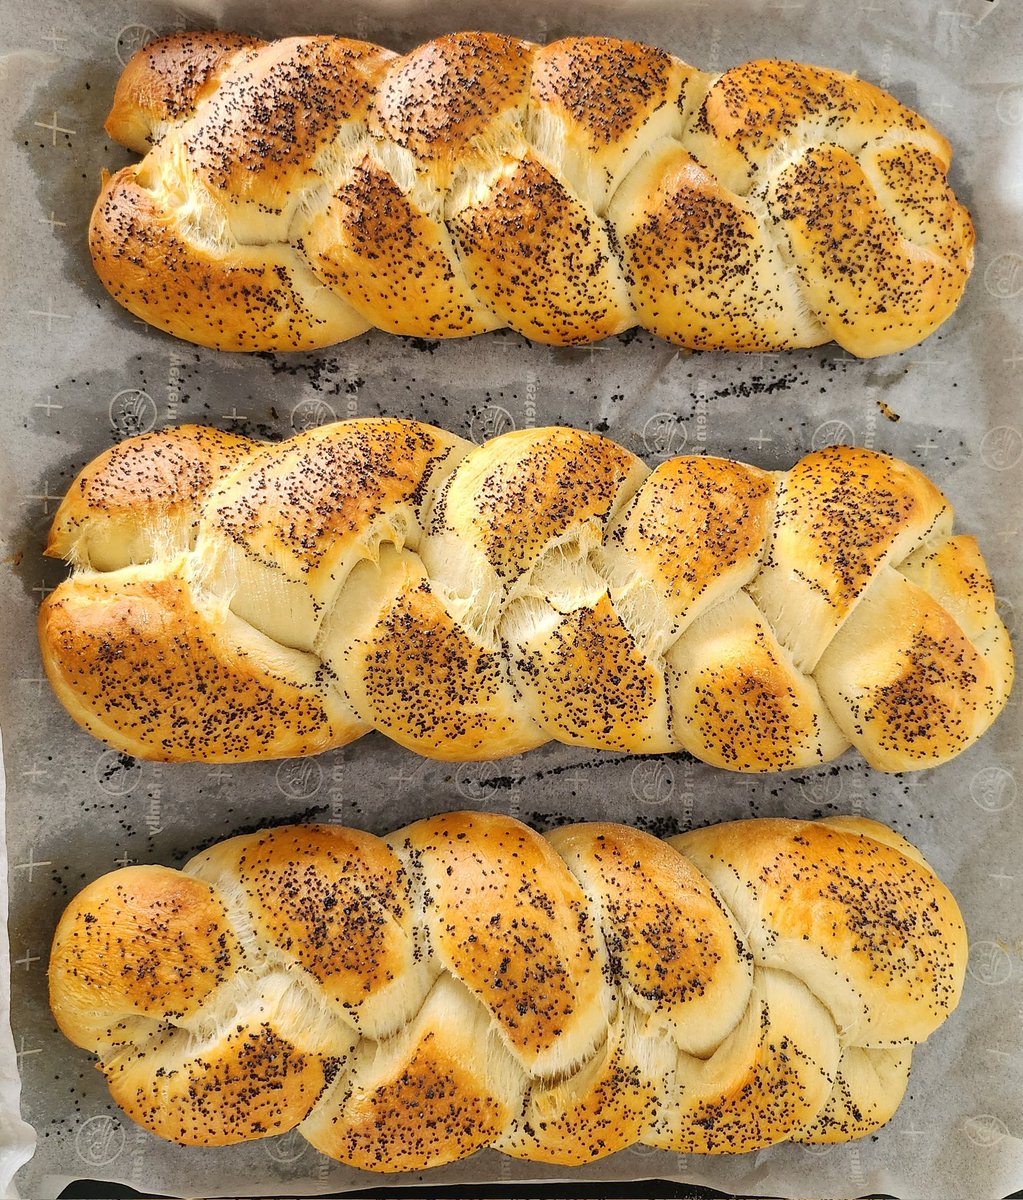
x: 81, y: 373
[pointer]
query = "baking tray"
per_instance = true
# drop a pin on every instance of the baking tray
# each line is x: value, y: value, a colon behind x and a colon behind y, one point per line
x: 81, y: 374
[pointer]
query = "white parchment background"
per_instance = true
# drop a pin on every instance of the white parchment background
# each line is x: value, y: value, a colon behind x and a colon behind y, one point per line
x: 80, y: 373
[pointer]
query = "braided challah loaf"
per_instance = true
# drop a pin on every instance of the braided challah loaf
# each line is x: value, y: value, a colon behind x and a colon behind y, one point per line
x: 467, y: 983
x: 236, y: 600
x: 294, y: 194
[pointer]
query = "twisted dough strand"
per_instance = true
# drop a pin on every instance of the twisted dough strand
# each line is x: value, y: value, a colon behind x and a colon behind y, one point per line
x: 465, y: 982
x: 295, y: 193
x: 236, y: 600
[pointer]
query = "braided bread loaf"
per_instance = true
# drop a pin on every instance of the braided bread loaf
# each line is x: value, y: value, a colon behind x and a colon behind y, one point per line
x: 294, y: 194
x: 237, y: 600
x: 465, y: 983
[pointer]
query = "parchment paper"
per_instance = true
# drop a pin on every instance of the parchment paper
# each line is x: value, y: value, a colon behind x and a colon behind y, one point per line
x: 81, y: 373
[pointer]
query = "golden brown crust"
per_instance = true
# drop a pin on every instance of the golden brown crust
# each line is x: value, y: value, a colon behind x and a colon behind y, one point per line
x: 391, y: 259
x: 597, y: 104
x: 911, y: 182
x: 675, y: 946
x: 589, y: 683
x: 233, y: 298
x: 142, y: 664
x: 604, y: 1108
x: 954, y: 573
x: 603, y: 88
x: 543, y: 261
x: 475, y: 601
x: 841, y: 911
x: 899, y: 695
x: 866, y: 282
x: 275, y: 111
x: 769, y: 1079
x: 434, y: 1094
x: 150, y: 943
x: 164, y: 82
x: 566, y: 478
x: 507, y: 920
x: 457, y: 1116
x: 413, y: 672
x: 208, y: 1098
x: 719, y: 509
x: 139, y: 498
x: 466, y: 982
x: 334, y: 899
x: 339, y: 480
x: 568, y: 192
x: 843, y: 513
x: 755, y: 108
x: 700, y: 271
x: 448, y: 95
x: 739, y: 700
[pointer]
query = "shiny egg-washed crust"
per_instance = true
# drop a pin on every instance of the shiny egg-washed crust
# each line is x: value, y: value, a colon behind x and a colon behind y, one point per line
x: 234, y: 600
x: 465, y: 982
x: 293, y: 194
